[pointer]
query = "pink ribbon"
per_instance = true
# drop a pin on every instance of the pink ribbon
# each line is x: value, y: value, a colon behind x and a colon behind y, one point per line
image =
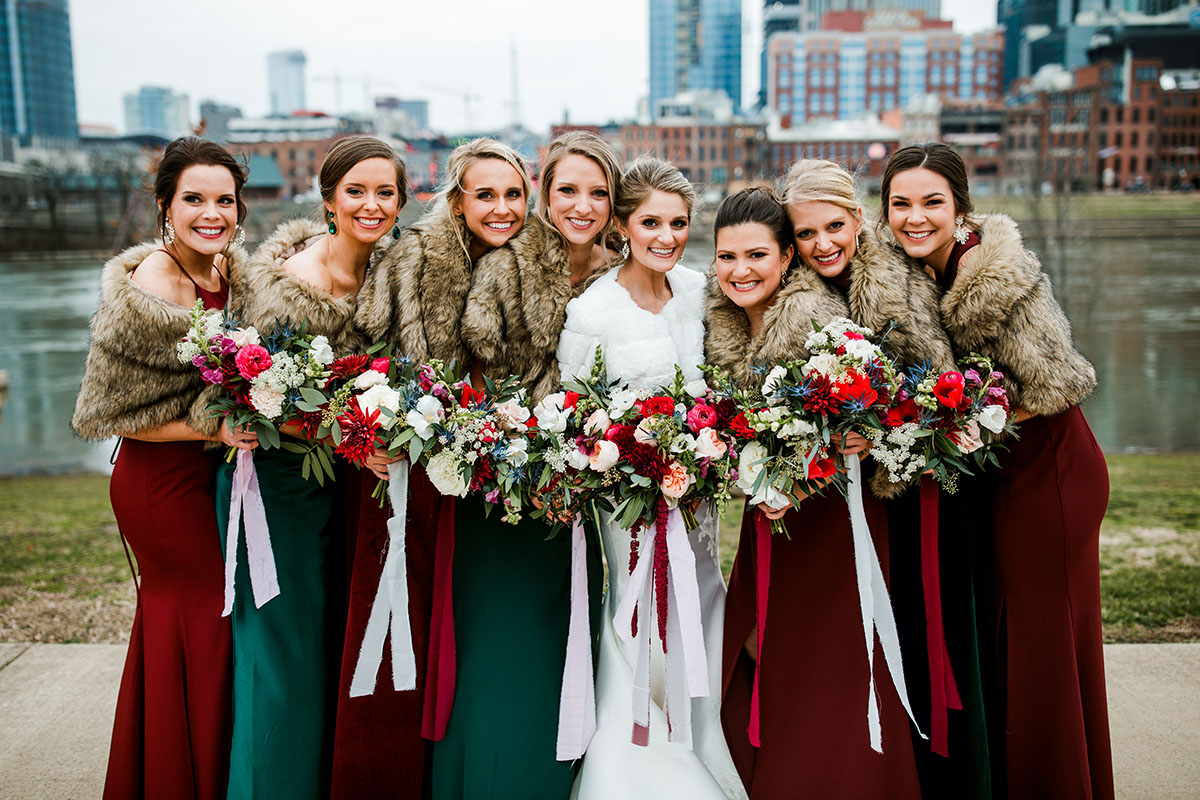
x: 245, y: 500
x: 685, y: 633
x: 577, y: 702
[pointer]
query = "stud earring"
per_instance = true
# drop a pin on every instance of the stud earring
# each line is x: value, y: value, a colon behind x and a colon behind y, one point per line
x: 239, y: 238
x: 396, y: 229
x: 168, y: 232
x: 960, y: 230
x: 332, y: 225
x: 624, y: 248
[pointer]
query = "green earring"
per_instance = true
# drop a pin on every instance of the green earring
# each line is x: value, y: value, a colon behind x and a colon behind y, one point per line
x: 396, y: 229
x: 332, y: 226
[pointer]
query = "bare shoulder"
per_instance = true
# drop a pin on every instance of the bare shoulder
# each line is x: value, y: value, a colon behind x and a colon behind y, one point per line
x: 161, y: 276
x: 306, y: 265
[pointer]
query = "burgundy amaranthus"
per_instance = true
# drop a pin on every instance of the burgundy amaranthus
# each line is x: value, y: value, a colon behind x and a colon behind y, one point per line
x: 633, y: 562
x: 358, y: 432
x: 661, y: 565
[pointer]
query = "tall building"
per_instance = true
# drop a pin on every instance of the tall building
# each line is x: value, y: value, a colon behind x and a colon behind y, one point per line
x: 37, y: 76
x: 216, y: 117
x: 695, y: 44
x: 285, y: 78
x: 417, y: 111
x: 158, y: 111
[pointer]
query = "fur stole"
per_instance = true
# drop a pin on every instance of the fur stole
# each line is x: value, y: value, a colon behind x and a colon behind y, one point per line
x: 414, y: 297
x: 518, y: 304
x: 273, y: 295
x: 1002, y: 305
x: 133, y: 380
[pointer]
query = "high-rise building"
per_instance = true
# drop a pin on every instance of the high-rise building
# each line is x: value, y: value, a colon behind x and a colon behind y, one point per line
x: 695, y: 44
x: 158, y: 111
x: 417, y: 111
x: 285, y: 78
x: 216, y: 117
x: 37, y: 76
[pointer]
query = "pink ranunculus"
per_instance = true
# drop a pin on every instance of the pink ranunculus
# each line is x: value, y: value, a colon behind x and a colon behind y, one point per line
x: 701, y: 416
x: 604, y: 456
x: 676, y: 482
x: 252, y: 360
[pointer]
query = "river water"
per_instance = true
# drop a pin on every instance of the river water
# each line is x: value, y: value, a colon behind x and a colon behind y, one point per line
x: 1135, y: 304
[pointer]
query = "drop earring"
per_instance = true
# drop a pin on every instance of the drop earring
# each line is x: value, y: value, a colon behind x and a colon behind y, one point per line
x: 961, y: 233
x: 168, y: 232
x: 332, y: 225
x: 239, y: 238
x: 396, y: 229
x: 625, y: 248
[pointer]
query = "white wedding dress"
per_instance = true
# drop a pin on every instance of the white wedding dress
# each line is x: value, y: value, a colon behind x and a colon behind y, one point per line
x: 642, y: 349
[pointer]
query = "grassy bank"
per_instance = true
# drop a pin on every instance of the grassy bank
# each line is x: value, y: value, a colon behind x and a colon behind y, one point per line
x: 64, y: 578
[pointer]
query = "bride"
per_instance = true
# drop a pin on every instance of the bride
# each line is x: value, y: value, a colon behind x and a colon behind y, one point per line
x: 647, y: 317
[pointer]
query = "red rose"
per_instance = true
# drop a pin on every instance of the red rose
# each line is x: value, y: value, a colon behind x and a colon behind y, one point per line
x: 381, y: 365
x: 571, y: 399
x: 740, y: 427
x: 949, y: 389
x: 657, y: 405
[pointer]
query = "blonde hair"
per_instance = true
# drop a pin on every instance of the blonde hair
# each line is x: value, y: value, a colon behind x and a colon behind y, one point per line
x: 463, y: 158
x: 645, y: 176
x: 817, y: 180
x: 588, y: 145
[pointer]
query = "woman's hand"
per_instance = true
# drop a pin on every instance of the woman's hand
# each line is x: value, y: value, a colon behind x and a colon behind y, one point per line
x: 379, y: 461
x: 773, y: 513
x: 239, y: 437
x: 751, y: 645
x: 850, y: 443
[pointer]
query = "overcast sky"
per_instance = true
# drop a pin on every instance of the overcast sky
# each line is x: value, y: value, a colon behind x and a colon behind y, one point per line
x: 588, y: 59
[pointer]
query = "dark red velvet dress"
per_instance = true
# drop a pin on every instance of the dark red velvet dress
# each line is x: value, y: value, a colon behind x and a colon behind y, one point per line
x: 813, y: 679
x: 1051, y: 495
x: 173, y: 720
x: 378, y: 750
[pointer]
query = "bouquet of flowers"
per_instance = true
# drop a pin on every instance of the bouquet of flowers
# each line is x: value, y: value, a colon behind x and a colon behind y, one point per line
x: 942, y: 422
x: 265, y: 375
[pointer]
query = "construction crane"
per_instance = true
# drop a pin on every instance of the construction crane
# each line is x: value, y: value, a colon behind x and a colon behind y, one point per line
x: 467, y: 98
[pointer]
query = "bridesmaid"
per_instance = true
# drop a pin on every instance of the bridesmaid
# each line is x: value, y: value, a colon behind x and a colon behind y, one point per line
x: 812, y: 686
x: 511, y: 587
x: 171, y: 735
x: 413, y: 300
x: 286, y: 652
x: 1051, y: 493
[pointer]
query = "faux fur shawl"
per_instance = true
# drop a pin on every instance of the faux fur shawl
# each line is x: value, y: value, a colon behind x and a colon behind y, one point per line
x: 274, y: 295
x: 1002, y: 305
x: 518, y: 304
x: 133, y: 380
x: 415, y: 296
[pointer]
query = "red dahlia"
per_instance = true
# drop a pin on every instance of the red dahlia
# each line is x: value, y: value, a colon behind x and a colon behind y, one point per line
x: 358, y: 433
x: 349, y: 366
x: 645, y: 460
x: 820, y: 398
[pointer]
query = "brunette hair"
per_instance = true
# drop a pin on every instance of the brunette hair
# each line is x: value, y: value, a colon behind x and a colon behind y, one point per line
x: 344, y: 154
x: 646, y: 176
x: 578, y: 143
x: 756, y: 205
x: 817, y: 180
x: 462, y: 159
x: 935, y: 157
x: 188, y: 151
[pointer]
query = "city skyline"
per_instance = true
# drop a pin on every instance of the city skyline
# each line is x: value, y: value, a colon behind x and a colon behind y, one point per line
x: 592, y: 63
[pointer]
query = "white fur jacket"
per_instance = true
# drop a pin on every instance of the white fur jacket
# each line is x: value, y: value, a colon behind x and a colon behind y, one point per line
x: 415, y: 296
x: 517, y: 307
x: 1001, y: 305
x: 640, y: 348
x: 133, y: 380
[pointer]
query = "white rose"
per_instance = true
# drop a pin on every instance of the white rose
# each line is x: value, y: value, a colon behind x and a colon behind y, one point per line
x: 322, y: 353
x: 368, y: 379
x: 772, y: 380
x: 577, y: 459
x: 597, y: 423
x: 750, y: 466
x: 244, y: 336
x: 517, y: 452
x: 381, y: 396
x: 696, y: 388
x: 993, y: 418
x: 551, y: 415
x: 422, y: 418
x: 621, y: 401
x: 967, y: 439
x: 861, y: 349
x: 513, y: 415
x: 823, y: 363
x: 709, y: 445
x: 445, y: 475
x: 604, y: 455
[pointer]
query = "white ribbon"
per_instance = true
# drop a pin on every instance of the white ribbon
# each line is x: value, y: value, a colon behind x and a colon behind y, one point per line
x: 577, y: 702
x: 876, y: 607
x: 245, y: 496
x: 391, y: 602
x: 685, y: 632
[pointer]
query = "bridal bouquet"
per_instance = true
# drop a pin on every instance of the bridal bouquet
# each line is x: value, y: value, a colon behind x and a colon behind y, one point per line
x: 942, y: 422
x: 263, y: 374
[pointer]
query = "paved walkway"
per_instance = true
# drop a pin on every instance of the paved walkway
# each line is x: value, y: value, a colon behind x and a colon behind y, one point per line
x: 57, y: 700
